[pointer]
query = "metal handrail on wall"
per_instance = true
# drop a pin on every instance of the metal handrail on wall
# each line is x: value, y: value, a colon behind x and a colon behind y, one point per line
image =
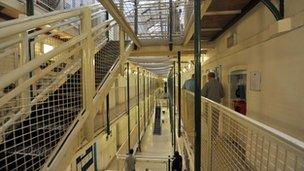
x: 231, y: 141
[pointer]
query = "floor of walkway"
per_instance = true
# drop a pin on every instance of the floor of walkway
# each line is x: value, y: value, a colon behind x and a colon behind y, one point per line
x: 153, y: 147
x: 156, y: 146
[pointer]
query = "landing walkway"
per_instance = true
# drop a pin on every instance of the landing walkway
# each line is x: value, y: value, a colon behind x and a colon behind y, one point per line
x: 156, y: 146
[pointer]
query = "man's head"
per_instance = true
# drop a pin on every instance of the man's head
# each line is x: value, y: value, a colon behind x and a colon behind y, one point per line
x: 176, y: 153
x: 131, y: 151
x: 211, y: 75
x: 192, y: 76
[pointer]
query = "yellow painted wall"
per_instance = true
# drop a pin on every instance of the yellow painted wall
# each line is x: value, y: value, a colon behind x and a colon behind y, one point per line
x: 280, y: 59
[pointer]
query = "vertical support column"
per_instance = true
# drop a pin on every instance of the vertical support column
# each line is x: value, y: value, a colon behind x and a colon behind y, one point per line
x: 30, y: 47
x: 135, y: 20
x: 170, y: 25
x: 149, y: 100
x: 108, y: 114
x: 282, y: 8
x: 179, y: 92
x: 138, y: 109
x: 197, y: 94
x: 121, y: 42
x: 144, y: 95
x: 128, y: 104
x: 160, y: 17
x: 174, y: 108
x: 23, y: 51
x: 107, y: 18
x: 29, y: 7
x: 88, y: 74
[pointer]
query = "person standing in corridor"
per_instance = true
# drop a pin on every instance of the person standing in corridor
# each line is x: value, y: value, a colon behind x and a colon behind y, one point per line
x: 130, y: 161
x: 177, y: 163
x: 213, y: 89
x: 190, y: 84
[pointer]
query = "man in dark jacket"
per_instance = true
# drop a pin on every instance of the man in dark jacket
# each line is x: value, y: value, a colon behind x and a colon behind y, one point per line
x: 213, y: 89
x: 177, y: 163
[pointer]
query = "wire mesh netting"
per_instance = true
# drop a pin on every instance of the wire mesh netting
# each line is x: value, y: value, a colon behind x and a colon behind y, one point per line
x: 104, y: 60
x: 38, y: 107
x: 233, y: 142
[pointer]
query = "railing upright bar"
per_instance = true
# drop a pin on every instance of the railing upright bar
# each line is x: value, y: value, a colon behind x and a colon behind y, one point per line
x: 144, y: 94
x: 174, y: 108
x: 197, y: 101
x: 209, y: 136
x: 128, y: 105
x: 88, y: 71
x: 108, y: 114
x: 138, y: 108
x: 179, y: 92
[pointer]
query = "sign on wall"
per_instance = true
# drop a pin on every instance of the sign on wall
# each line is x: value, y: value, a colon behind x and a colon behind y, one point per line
x: 255, y: 81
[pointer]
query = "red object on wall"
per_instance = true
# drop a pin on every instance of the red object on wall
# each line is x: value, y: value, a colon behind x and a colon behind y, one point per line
x: 240, y: 106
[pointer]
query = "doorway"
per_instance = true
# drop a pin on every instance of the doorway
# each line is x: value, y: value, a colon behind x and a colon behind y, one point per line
x: 237, y: 90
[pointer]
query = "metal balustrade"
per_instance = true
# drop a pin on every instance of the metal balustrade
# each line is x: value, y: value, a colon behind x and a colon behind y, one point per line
x: 231, y: 141
x: 43, y: 91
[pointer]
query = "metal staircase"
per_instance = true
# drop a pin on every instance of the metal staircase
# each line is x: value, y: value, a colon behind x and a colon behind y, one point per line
x: 52, y: 93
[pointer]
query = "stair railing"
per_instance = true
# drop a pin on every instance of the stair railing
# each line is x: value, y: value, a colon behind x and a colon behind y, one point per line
x: 57, y: 71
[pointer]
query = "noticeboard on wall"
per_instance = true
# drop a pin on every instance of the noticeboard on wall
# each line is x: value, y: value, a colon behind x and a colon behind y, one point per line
x: 255, y: 81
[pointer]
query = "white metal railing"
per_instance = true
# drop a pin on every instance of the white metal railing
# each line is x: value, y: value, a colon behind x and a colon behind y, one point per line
x: 231, y: 141
x: 51, y: 83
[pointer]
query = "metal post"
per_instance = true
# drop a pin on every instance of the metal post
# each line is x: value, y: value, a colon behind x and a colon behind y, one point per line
x: 135, y: 20
x: 179, y: 92
x: 169, y: 163
x: 282, y: 8
x: 29, y: 7
x: 108, y: 114
x: 88, y: 72
x: 128, y: 103
x: 138, y: 107
x: 144, y: 94
x: 174, y: 103
x: 197, y: 94
x: 169, y: 83
x: 30, y: 12
x: 170, y: 25
x: 107, y: 18
x: 149, y: 104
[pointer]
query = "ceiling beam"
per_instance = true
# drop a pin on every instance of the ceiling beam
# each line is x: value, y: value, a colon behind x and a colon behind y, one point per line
x: 231, y: 12
x: 5, y: 16
x: 245, y: 10
x: 164, y: 50
x: 211, y: 29
x: 13, y: 4
x: 189, y: 29
x: 120, y: 19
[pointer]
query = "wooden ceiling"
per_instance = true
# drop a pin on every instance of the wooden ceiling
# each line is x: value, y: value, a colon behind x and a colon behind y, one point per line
x: 222, y: 14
